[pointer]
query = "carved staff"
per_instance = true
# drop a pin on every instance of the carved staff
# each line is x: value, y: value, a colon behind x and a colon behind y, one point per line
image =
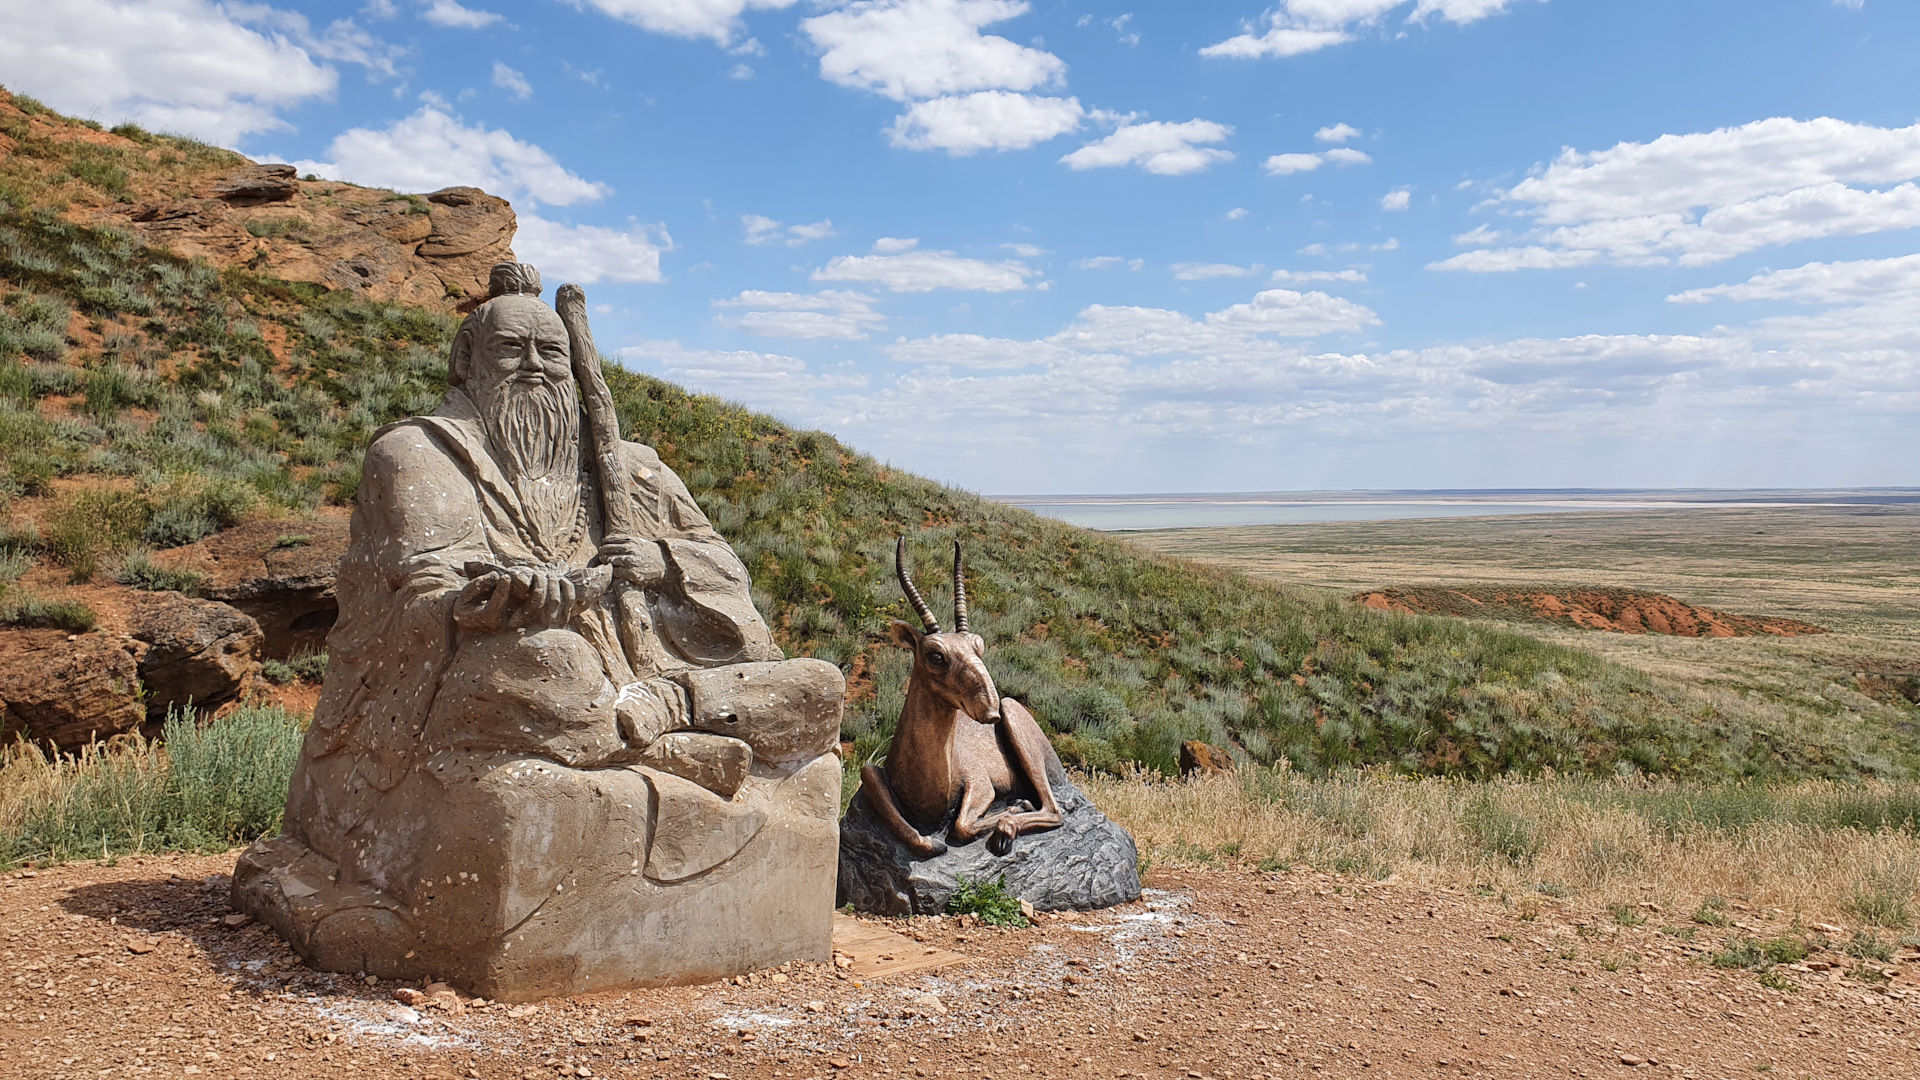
x: 622, y: 517
x: 603, y: 424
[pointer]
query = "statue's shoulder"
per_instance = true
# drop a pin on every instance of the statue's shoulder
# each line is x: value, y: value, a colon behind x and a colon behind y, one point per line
x: 416, y: 446
x: 403, y: 442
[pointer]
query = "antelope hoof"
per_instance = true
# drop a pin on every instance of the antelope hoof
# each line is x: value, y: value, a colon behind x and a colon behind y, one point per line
x: 930, y: 846
x: 1001, y: 842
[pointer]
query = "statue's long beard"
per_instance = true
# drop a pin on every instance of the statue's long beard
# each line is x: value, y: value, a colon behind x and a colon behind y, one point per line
x: 534, y: 429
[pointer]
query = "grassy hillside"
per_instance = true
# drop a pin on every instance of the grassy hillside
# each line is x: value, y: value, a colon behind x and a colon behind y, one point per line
x: 146, y: 401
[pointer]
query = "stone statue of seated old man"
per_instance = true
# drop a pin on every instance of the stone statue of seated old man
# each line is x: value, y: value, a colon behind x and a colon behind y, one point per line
x: 557, y: 750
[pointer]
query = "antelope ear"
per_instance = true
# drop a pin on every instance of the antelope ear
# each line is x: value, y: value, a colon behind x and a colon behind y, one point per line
x: 905, y: 634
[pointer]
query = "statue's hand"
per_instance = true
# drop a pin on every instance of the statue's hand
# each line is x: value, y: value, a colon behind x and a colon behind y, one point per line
x: 543, y: 597
x: 640, y: 562
x: 525, y: 596
x: 482, y: 603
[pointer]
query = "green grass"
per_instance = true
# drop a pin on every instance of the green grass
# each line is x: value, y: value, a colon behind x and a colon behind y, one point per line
x: 1886, y: 896
x: 1626, y: 915
x: 198, y: 789
x: 139, y: 571
x: 1867, y: 945
x: 306, y: 667
x: 989, y: 900
x: 272, y: 227
x: 1740, y: 953
x: 26, y: 610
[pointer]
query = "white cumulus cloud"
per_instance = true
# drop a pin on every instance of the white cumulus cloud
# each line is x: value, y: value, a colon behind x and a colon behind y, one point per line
x: 924, y: 271
x: 1281, y: 277
x: 1398, y: 199
x: 1288, y: 164
x: 591, y: 253
x: 451, y: 13
x: 718, y: 20
x: 218, y: 72
x: 1864, y: 281
x: 1157, y: 146
x: 829, y: 314
x: 965, y: 124
x: 1303, y: 26
x: 1209, y: 271
x: 1337, y: 133
x: 511, y: 81
x: 771, y: 382
x: 433, y: 149
x: 1702, y: 198
x: 765, y: 230
x: 908, y: 49
x: 976, y: 351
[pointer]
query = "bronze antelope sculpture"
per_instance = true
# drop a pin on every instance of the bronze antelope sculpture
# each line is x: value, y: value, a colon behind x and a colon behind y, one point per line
x: 959, y: 746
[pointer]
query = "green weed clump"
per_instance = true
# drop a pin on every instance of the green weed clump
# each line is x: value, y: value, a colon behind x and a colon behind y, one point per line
x: 198, y: 789
x: 309, y: 667
x: 1504, y: 832
x: 1740, y: 953
x: 1884, y: 895
x: 989, y: 900
x: 139, y: 571
x: 29, y: 611
x: 14, y: 562
x: 88, y: 523
x: 1867, y: 945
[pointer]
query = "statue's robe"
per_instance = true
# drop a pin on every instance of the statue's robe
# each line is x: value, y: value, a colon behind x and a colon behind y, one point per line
x: 474, y: 793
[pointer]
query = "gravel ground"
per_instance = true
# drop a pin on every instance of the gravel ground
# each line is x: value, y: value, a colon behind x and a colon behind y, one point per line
x: 133, y: 970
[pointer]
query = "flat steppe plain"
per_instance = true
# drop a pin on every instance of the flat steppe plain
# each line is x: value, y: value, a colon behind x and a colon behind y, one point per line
x: 1852, y: 569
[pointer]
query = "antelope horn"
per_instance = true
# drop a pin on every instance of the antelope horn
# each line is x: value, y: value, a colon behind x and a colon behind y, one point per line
x: 959, y: 593
x: 906, y: 584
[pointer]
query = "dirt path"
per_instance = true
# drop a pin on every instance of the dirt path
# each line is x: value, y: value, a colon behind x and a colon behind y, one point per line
x: 129, y: 971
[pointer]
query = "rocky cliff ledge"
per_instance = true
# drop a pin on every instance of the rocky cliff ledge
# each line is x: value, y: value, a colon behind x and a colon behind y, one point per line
x: 430, y: 249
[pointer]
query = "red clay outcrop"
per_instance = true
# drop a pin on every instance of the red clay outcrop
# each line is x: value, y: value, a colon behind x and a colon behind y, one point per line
x: 1621, y: 611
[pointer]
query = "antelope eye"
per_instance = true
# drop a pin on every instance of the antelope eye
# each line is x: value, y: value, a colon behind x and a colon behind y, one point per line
x: 937, y: 659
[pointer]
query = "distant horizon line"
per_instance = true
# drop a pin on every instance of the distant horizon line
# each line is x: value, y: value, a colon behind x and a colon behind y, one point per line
x: 1311, y: 495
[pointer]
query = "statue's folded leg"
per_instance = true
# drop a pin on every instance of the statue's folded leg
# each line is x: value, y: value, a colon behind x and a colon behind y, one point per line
x: 544, y: 692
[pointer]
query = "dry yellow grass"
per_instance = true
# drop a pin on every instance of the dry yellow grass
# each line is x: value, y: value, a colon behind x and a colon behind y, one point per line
x: 1829, y: 852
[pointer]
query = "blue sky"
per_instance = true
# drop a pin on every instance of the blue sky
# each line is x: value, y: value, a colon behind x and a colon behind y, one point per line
x: 1040, y: 247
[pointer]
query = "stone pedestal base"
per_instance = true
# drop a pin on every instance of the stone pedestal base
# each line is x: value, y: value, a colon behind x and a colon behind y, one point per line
x: 1088, y: 862
x: 515, y: 878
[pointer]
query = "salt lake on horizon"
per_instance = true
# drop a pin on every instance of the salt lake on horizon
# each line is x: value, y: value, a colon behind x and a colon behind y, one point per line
x: 1119, y: 513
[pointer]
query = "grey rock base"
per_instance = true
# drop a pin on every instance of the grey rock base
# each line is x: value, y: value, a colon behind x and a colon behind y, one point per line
x: 1088, y: 862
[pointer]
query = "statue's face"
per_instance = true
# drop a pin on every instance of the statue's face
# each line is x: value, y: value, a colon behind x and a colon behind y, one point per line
x: 519, y: 341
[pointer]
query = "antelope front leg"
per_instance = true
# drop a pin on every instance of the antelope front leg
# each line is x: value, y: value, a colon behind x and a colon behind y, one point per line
x: 873, y: 781
x: 1030, y: 752
x: 969, y: 824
